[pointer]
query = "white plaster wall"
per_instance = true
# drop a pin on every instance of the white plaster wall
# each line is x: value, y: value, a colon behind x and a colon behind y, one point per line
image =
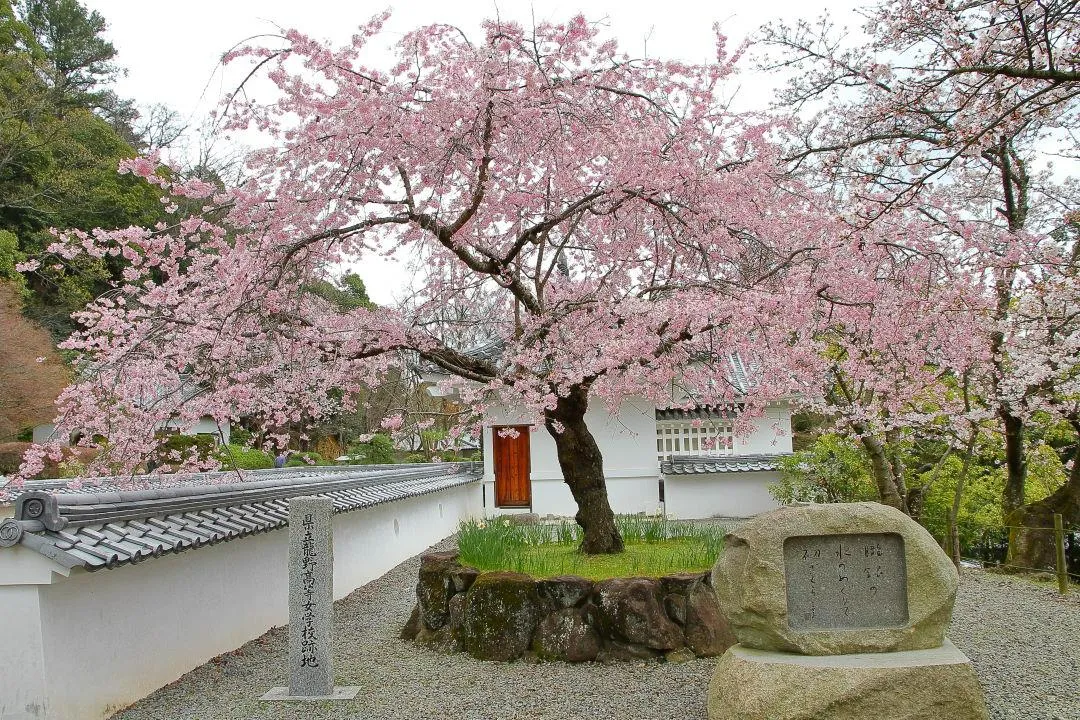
x: 694, y: 497
x: 108, y: 638
x: 22, y: 676
x: 627, y: 440
x: 771, y: 435
x: 627, y: 495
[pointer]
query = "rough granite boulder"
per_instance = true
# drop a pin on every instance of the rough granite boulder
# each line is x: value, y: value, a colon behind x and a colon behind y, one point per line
x: 631, y: 607
x: 565, y: 591
x: 500, y: 615
x: 565, y: 635
x: 749, y: 580
x: 435, y: 587
x: 412, y: 625
x: 706, y: 628
x: 914, y: 685
x: 616, y: 651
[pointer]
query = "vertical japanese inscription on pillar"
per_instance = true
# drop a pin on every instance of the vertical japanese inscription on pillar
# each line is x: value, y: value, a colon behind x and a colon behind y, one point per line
x: 309, y: 560
x: 311, y: 590
x: 846, y: 581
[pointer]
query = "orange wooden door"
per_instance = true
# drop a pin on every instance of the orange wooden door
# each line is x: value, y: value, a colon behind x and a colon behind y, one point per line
x: 511, y: 457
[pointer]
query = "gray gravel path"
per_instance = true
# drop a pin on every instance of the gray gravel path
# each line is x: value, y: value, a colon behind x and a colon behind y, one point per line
x: 1022, y: 637
x: 1024, y: 640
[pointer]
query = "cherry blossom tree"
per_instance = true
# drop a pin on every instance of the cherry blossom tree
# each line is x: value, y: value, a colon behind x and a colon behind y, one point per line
x: 1043, y: 336
x: 952, y: 113
x: 605, y: 217
x: 890, y: 331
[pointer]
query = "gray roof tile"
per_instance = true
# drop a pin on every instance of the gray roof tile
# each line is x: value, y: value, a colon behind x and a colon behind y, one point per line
x: 112, y: 526
x: 702, y: 464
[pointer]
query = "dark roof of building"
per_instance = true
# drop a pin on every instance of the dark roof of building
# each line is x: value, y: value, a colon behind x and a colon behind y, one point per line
x: 112, y: 527
x: 701, y: 464
x: 492, y: 351
x: 167, y: 480
x: 701, y: 412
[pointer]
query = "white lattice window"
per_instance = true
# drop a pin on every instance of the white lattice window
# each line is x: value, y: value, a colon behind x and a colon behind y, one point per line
x: 710, y: 437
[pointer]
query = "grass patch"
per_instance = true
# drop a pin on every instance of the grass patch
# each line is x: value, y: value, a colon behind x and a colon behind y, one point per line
x: 654, y: 547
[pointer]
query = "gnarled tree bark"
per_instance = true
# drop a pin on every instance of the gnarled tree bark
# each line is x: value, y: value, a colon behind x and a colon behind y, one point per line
x: 583, y: 471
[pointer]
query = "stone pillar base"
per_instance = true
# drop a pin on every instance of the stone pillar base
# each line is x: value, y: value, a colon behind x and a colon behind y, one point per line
x: 341, y: 692
x: 912, y: 685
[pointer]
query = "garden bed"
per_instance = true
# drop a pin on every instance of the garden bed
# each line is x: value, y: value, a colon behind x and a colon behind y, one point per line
x: 545, y: 614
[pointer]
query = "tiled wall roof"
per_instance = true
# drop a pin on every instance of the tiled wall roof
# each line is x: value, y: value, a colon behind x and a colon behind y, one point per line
x: 699, y: 464
x: 114, y: 526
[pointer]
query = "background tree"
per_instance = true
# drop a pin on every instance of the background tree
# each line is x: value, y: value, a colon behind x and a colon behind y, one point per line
x: 32, y: 374
x: 951, y: 109
x: 78, y: 58
x: 626, y: 221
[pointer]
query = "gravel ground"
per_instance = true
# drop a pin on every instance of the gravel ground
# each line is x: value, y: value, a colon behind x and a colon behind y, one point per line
x: 1021, y: 636
x: 1024, y: 640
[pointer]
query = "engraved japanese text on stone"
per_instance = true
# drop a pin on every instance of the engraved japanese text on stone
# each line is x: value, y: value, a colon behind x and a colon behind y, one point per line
x: 846, y: 581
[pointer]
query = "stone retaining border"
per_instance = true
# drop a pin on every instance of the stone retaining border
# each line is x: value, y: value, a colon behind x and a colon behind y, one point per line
x: 508, y: 616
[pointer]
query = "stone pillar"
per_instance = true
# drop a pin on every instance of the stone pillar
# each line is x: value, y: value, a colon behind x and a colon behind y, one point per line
x: 311, y: 604
x: 311, y: 596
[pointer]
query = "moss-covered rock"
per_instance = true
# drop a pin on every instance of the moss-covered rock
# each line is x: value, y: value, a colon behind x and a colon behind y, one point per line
x: 566, y: 635
x: 706, y: 628
x: 630, y: 609
x: 501, y: 613
x: 435, y: 587
x: 565, y: 591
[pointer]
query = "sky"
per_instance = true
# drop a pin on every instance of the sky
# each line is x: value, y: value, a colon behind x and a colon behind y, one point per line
x: 172, y: 51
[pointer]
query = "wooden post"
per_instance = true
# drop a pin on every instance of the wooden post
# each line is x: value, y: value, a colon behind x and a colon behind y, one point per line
x: 1059, y: 542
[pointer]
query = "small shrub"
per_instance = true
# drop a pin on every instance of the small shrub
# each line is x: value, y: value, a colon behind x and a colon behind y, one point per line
x: 832, y: 469
x: 184, y: 446
x: 241, y: 457
x: 73, y: 459
x: 305, y: 459
x: 378, y: 451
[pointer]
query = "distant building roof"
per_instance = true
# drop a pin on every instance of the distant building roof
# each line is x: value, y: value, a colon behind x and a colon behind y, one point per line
x: 701, y: 412
x: 112, y: 527
x: 702, y: 464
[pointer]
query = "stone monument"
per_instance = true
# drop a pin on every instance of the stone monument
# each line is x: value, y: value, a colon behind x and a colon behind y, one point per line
x: 311, y: 604
x: 840, y: 612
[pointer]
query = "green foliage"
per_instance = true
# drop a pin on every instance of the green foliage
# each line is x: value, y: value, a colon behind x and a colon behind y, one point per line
x: 980, y: 504
x: 240, y: 436
x: 79, y: 59
x: 241, y: 457
x: 654, y: 547
x: 305, y: 459
x: 349, y: 293
x: 177, y: 447
x: 58, y: 165
x: 377, y: 451
x: 9, y: 257
x: 832, y: 469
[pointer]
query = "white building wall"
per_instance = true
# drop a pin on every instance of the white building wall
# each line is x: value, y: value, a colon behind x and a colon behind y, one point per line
x: 627, y: 440
x: 771, y: 434
x: 705, y: 495
x: 22, y: 668
x: 109, y: 638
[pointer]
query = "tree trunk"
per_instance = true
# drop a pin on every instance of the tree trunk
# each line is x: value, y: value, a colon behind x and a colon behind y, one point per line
x: 583, y: 471
x: 1015, y: 462
x: 884, y: 477
x: 1034, y: 548
x: 958, y: 496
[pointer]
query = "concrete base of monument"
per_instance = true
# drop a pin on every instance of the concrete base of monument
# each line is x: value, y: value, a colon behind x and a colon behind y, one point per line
x: 347, y: 692
x: 911, y: 685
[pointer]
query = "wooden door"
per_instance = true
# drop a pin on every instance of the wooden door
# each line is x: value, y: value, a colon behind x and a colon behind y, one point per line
x: 511, y: 457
